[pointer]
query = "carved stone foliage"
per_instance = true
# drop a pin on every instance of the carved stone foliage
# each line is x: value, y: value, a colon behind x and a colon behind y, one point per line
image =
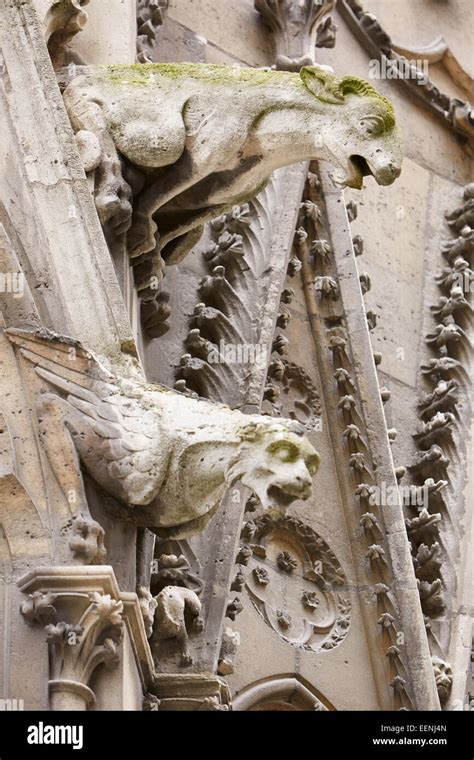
x: 297, y: 26
x: 77, y: 649
x: 291, y: 392
x: 154, y: 312
x: 64, y: 19
x: 150, y: 703
x: 324, y: 297
x: 459, y: 114
x: 39, y: 608
x: 83, y: 631
x: 150, y: 15
x: 176, y: 182
x: 444, y: 409
x: 234, y: 608
x: 222, y: 345
x: 230, y: 642
x: 83, y: 614
x: 297, y: 585
x: 162, y: 459
x: 87, y: 540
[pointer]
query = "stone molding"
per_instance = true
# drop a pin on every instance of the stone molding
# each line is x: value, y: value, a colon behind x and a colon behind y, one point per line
x: 194, y: 691
x: 458, y: 114
x: 288, y: 690
x: 366, y: 450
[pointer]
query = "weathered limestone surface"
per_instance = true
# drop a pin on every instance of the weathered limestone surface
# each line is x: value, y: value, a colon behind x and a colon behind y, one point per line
x: 391, y: 254
x: 147, y: 577
x: 46, y: 204
x: 243, y: 37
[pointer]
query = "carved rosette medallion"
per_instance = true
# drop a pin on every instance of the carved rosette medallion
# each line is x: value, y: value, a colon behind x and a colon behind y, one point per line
x: 290, y: 392
x: 303, y: 597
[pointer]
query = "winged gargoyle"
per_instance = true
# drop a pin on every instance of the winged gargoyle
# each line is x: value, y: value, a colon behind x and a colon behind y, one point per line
x: 167, y: 457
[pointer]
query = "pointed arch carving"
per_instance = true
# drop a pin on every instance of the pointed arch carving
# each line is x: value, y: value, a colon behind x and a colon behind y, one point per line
x: 281, y: 693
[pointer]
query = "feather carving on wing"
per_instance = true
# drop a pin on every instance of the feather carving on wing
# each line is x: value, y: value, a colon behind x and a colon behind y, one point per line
x: 117, y: 437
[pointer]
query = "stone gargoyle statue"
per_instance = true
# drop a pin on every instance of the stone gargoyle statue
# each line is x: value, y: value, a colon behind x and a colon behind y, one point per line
x: 178, y: 607
x: 166, y: 458
x: 203, y: 138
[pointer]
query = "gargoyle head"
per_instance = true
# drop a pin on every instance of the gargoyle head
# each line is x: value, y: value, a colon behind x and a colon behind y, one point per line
x: 443, y: 677
x: 276, y: 461
x: 364, y: 139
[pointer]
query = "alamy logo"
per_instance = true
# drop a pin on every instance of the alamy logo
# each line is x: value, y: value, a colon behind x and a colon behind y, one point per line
x: 41, y: 734
x: 237, y: 353
x: 399, y: 68
x: 11, y: 704
x: 12, y: 283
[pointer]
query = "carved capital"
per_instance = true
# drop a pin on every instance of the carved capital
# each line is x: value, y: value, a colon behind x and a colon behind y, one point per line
x: 83, y: 613
x: 77, y: 649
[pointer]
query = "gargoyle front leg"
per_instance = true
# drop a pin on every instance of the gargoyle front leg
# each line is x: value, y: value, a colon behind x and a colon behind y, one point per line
x: 53, y: 414
x: 207, y: 149
x: 112, y: 195
x: 173, y: 180
x: 111, y: 192
x: 196, y: 625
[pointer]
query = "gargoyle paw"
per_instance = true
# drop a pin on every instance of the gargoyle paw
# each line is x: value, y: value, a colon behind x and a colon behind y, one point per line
x: 186, y: 660
x: 141, y: 237
x: 198, y: 624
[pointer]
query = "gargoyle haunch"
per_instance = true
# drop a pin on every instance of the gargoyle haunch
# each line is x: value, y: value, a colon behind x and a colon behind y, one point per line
x: 200, y: 139
x: 165, y: 456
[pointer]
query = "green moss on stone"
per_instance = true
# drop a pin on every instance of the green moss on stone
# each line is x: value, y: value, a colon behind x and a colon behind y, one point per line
x: 325, y: 86
x: 144, y: 74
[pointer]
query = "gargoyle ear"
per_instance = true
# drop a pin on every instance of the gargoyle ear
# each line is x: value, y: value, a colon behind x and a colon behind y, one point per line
x: 249, y: 432
x: 374, y: 124
x: 324, y: 86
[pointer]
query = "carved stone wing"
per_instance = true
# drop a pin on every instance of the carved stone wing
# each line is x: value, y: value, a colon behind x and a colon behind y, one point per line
x: 114, y: 431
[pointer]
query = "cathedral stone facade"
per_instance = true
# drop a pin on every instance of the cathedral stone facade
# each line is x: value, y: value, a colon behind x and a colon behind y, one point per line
x: 235, y: 288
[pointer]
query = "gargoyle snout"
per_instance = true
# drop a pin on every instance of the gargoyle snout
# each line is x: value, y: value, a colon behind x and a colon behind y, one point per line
x: 301, y: 485
x: 305, y: 486
x: 388, y: 174
x: 394, y: 170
